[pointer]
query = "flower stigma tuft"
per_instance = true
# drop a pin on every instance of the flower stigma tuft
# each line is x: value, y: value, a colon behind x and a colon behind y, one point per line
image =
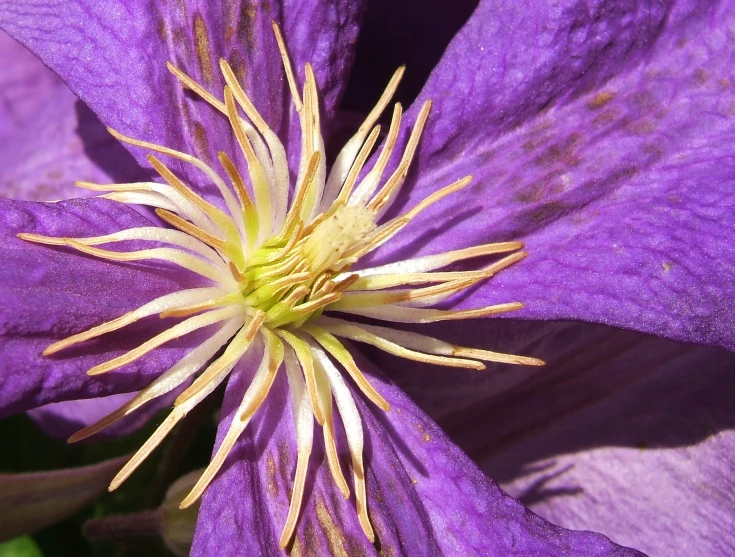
x: 277, y: 261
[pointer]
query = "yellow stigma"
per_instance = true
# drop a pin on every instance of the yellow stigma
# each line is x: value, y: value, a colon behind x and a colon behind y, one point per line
x: 275, y: 259
x: 332, y: 238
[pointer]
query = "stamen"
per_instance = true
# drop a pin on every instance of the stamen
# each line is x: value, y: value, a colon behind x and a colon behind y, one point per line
x: 249, y: 210
x: 191, y: 229
x: 388, y: 192
x: 377, y: 238
x: 234, y: 351
x: 315, y: 143
x: 375, y: 335
x: 149, y: 199
x: 275, y: 255
x: 438, y: 196
x: 346, y: 283
x: 166, y: 382
x: 258, y: 178
x: 304, y: 425
x: 362, y: 156
x: 352, y: 300
x: 270, y: 360
x: 272, y: 289
x: 268, y: 273
x: 322, y: 286
x: 371, y: 181
x: 309, y: 228
x: 335, y: 348
x: 306, y: 360
x: 430, y: 262
x: 403, y: 314
x: 275, y: 351
x: 177, y: 257
x: 198, y: 89
x: 353, y: 429
x: 156, y: 195
x: 391, y: 228
x: 201, y: 306
x: 175, y: 299
x: 178, y: 330
x: 380, y: 282
x: 301, y: 194
x: 360, y: 334
x: 296, y: 295
x: 164, y: 429
x: 287, y: 67
x: 148, y: 447
x: 347, y: 155
x: 258, y: 144
x: 278, y: 157
x: 201, y: 165
x: 236, y: 274
x: 146, y: 233
x: 303, y: 310
x: 217, y: 216
x: 330, y: 444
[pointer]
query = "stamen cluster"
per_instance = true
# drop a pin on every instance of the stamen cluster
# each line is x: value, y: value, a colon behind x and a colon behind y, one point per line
x: 276, y: 262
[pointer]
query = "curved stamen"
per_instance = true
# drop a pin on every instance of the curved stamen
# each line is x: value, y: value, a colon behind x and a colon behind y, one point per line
x: 347, y: 155
x: 401, y: 314
x: 353, y: 430
x: 181, y: 329
x: 177, y: 257
x: 335, y: 348
x: 304, y: 425
x: 428, y: 263
x: 407, y: 344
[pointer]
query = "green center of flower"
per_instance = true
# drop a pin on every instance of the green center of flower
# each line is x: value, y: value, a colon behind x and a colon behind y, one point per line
x: 291, y: 280
x: 275, y: 260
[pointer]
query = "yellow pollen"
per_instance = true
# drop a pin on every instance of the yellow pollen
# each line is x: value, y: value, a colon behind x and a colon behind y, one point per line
x: 274, y: 264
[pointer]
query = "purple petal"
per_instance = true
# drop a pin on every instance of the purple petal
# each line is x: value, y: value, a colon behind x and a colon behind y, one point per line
x: 52, y: 138
x: 25, y: 83
x: 424, y: 496
x: 63, y: 142
x: 113, y: 57
x: 62, y: 419
x: 631, y: 438
x: 623, y: 196
x: 48, y: 293
x: 512, y: 61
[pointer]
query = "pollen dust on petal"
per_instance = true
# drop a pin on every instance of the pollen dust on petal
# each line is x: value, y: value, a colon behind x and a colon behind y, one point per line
x: 331, y: 530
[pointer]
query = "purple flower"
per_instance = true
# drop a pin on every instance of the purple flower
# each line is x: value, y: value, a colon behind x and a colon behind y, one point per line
x: 629, y: 160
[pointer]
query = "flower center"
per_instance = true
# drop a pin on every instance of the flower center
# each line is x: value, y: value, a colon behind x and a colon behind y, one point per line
x: 275, y: 260
x: 292, y: 279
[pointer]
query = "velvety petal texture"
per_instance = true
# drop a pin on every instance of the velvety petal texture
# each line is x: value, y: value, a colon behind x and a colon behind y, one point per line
x: 49, y: 293
x: 425, y: 497
x: 634, y: 440
x: 62, y: 143
x: 25, y: 83
x: 50, y: 138
x: 621, y: 433
x: 115, y: 61
x: 62, y: 419
x: 607, y: 179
